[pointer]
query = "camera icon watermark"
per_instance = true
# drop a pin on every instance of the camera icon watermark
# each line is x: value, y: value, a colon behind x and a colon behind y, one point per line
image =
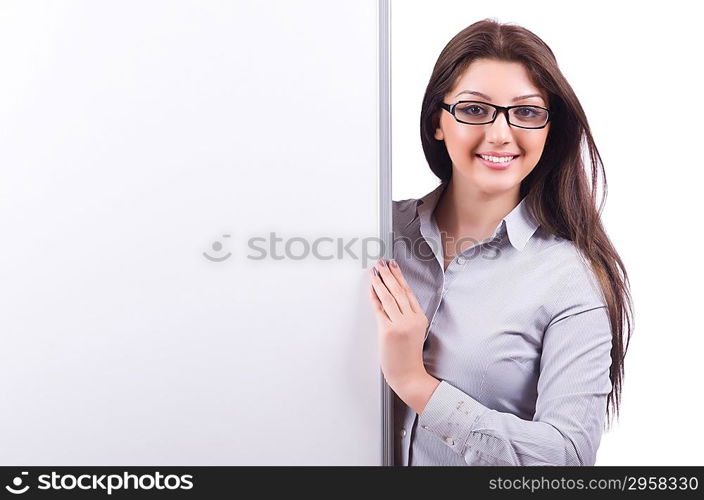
x: 17, y: 488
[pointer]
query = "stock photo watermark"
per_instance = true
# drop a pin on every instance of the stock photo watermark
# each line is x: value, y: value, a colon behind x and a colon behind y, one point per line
x: 365, y: 250
x: 100, y: 483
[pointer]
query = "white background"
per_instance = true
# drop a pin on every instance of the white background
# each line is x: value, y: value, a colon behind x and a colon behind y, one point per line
x: 133, y: 136
x: 635, y: 67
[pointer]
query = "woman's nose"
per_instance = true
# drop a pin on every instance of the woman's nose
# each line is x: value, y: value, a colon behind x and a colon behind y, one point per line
x: 499, y: 130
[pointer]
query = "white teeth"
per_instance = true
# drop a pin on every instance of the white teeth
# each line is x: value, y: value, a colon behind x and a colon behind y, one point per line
x: 496, y: 159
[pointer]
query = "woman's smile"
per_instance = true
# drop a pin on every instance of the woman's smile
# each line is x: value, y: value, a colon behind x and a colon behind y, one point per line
x: 496, y: 163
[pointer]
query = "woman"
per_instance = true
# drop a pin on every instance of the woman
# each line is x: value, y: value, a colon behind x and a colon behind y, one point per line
x: 501, y: 316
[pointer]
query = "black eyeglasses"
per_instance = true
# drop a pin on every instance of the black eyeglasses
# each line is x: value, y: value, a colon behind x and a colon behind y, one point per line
x: 481, y: 113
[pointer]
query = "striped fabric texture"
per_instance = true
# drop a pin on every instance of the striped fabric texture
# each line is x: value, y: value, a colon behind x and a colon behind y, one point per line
x: 519, y: 337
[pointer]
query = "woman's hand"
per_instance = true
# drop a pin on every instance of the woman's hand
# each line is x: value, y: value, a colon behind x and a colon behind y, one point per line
x: 402, y: 326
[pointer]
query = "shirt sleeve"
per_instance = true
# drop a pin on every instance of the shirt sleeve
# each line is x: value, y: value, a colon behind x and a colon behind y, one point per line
x: 566, y: 429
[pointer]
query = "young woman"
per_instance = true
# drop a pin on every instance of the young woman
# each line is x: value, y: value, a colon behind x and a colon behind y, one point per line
x: 501, y: 317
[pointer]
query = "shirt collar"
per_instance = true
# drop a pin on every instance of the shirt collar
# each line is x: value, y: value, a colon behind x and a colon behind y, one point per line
x: 519, y: 223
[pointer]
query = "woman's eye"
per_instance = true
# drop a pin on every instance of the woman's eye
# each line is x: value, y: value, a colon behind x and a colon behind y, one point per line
x: 526, y: 112
x: 472, y: 110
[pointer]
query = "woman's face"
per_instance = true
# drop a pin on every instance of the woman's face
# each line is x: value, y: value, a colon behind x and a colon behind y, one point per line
x: 500, y: 82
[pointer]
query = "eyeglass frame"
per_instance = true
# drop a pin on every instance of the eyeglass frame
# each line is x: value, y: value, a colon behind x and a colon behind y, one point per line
x: 497, y: 109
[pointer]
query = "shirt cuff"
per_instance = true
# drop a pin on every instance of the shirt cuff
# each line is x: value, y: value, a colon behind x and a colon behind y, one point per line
x: 451, y: 415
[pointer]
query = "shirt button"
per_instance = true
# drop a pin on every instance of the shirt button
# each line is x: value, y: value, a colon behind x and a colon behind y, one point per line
x: 450, y: 441
x: 424, y: 427
x: 403, y: 432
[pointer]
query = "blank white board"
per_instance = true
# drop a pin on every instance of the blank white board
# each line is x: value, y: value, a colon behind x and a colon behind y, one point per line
x: 163, y: 167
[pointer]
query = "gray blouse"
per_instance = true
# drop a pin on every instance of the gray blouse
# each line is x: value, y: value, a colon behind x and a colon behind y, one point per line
x: 519, y: 337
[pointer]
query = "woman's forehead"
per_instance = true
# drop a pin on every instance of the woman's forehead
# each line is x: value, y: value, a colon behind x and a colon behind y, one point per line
x: 496, y: 80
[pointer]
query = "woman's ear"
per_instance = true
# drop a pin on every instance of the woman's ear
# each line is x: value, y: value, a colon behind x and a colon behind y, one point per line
x: 439, y: 134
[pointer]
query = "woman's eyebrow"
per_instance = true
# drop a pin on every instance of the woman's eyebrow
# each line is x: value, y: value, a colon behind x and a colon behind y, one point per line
x: 520, y: 97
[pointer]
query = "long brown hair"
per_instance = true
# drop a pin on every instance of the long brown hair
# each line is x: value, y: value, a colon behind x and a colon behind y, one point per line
x: 557, y: 191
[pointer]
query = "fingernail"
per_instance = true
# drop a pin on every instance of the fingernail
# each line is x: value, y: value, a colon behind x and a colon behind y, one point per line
x: 393, y: 263
x: 382, y: 263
